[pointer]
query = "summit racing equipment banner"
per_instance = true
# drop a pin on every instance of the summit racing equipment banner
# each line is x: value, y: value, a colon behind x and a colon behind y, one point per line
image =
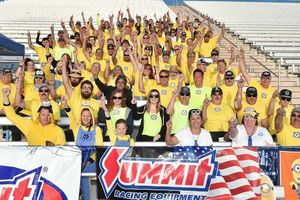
x: 39, y: 172
x: 178, y: 173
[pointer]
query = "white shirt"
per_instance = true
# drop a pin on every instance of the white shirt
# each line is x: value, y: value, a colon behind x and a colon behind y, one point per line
x: 261, y: 137
x: 186, y: 138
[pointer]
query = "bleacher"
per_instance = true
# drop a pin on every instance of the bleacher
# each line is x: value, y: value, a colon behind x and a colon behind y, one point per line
x: 272, y: 29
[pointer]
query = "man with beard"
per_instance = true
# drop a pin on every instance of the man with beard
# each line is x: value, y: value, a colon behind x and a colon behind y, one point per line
x: 81, y: 99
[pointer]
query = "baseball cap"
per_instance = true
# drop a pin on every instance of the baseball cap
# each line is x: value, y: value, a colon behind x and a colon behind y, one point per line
x: 201, y: 61
x: 39, y: 73
x: 214, y: 53
x: 185, y: 90
x: 216, y: 90
x: 251, y: 91
x: 285, y: 93
x: 296, y: 109
x: 266, y: 74
x: 183, y: 33
x: 229, y: 74
x: 6, y: 71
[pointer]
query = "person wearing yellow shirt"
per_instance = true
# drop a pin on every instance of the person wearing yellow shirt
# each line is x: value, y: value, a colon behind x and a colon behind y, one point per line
x: 288, y: 134
x: 125, y: 63
x: 216, y: 115
x: 33, y: 105
x: 82, y: 99
x: 174, y: 77
x: 251, y: 101
x: 42, y: 131
x: 209, y: 44
x: 229, y: 88
x: 264, y: 89
x: 199, y: 91
x: 179, y: 110
x: 29, y: 66
x: 278, y: 100
x: 6, y: 82
x: 201, y: 65
x: 40, y: 50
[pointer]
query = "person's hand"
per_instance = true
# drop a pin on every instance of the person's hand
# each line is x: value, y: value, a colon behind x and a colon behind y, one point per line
x: 169, y: 124
x: 156, y: 137
x: 175, y: 93
x: 62, y: 23
x: 21, y: 75
x: 206, y: 101
x: 133, y: 100
x: 180, y: 78
x: 39, y: 32
x: 22, y: 63
x: 64, y: 101
x: 6, y: 92
x: 28, y: 34
x: 233, y: 122
x: 102, y: 103
x: 275, y: 94
x: 51, y: 82
x: 107, y: 63
x: 242, y: 55
x: 240, y: 83
x: 281, y: 111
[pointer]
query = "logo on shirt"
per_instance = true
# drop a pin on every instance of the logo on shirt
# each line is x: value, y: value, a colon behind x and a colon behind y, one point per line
x: 116, y: 112
x: 153, y: 116
x: 260, y: 134
x: 164, y: 92
x: 172, y: 84
x: 198, y: 91
x: 217, y: 109
x: 296, y: 135
x: 125, y: 68
x: 184, y: 112
x: 264, y: 95
x: 85, y: 137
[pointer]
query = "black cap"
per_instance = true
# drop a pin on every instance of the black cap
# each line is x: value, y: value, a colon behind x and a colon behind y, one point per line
x: 251, y: 91
x: 216, y: 90
x: 286, y: 93
x: 185, y: 90
x: 183, y: 33
x: 214, y: 53
x: 229, y: 74
x: 6, y: 71
x: 266, y: 74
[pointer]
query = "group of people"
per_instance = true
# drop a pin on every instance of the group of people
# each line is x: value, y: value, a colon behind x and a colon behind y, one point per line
x: 96, y: 74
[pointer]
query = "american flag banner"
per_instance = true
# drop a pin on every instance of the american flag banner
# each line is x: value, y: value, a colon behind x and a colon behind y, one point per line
x: 190, y: 172
x: 239, y: 172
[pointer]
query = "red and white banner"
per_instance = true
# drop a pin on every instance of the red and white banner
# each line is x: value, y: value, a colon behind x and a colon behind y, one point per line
x: 39, y: 172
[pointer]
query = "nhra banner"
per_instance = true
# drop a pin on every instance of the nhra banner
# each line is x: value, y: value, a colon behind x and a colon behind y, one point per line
x: 43, y: 173
x: 178, y: 173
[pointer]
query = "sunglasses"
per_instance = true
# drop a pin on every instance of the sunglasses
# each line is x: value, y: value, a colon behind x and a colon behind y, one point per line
x: 148, y: 49
x: 43, y: 90
x: 196, y: 112
x: 185, y: 94
x: 249, y: 117
x: 285, y: 99
x: 38, y: 77
x: 144, y: 58
x: 176, y: 49
x: 119, y: 98
x: 252, y: 95
x: 229, y: 78
x: 294, y: 115
x: 164, y: 76
x: 125, y: 55
x: 154, y: 96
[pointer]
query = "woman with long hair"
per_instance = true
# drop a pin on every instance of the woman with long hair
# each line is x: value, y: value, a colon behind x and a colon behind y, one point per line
x: 155, y: 116
x: 118, y: 110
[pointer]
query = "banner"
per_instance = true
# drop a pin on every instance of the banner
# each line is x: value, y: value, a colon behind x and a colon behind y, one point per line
x: 178, y: 173
x: 43, y: 173
x: 290, y: 172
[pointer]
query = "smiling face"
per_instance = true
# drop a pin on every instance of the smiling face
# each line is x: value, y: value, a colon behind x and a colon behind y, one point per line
x: 86, y: 118
x: 195, y: 121
x: 44, y: 117
x: 296, y: 170
x: 121, y: 129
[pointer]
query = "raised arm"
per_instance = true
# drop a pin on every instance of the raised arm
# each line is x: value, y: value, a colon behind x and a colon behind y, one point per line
x: 243, y: 66
x: 279, y: 125
x: 170, y: 140
x: 272, y: 103
x: 29, y: 40
x: 206, y: 103
x: 233, y: 132
x: 37, y: 39
x: 238, y: 96
x: 170, y: 108
x: 52, y: 35
x: 67, y: 85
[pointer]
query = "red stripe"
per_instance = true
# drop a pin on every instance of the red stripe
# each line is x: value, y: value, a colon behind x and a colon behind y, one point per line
x: 251, y: 169
x: 255, y: 183
x: 247, y: 157
x: 240, y: 190
x: 230, y: 163
x: 225, y: 152
x: 220, y: 197
x: 234, y: 176
x: 218, y: 185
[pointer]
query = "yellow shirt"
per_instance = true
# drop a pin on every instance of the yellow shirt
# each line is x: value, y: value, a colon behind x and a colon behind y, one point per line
x: 35, y: 133
x: 286, y: 118
x: 229, y: 93
x: 155, y: 120
x: 218, y: 117
x: 127, y: 69
x: 165, y: 94
x: 206, y: 48
x: 41, y: 52
x: 289, y: 136
x: 34, y: 106
x: 28, y: 78
x: 147, y: 83
x: 81, y: 57
x: 113, y: 137
x: 180, y: 115
x: 198, y: 95
x: 264, y: 94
